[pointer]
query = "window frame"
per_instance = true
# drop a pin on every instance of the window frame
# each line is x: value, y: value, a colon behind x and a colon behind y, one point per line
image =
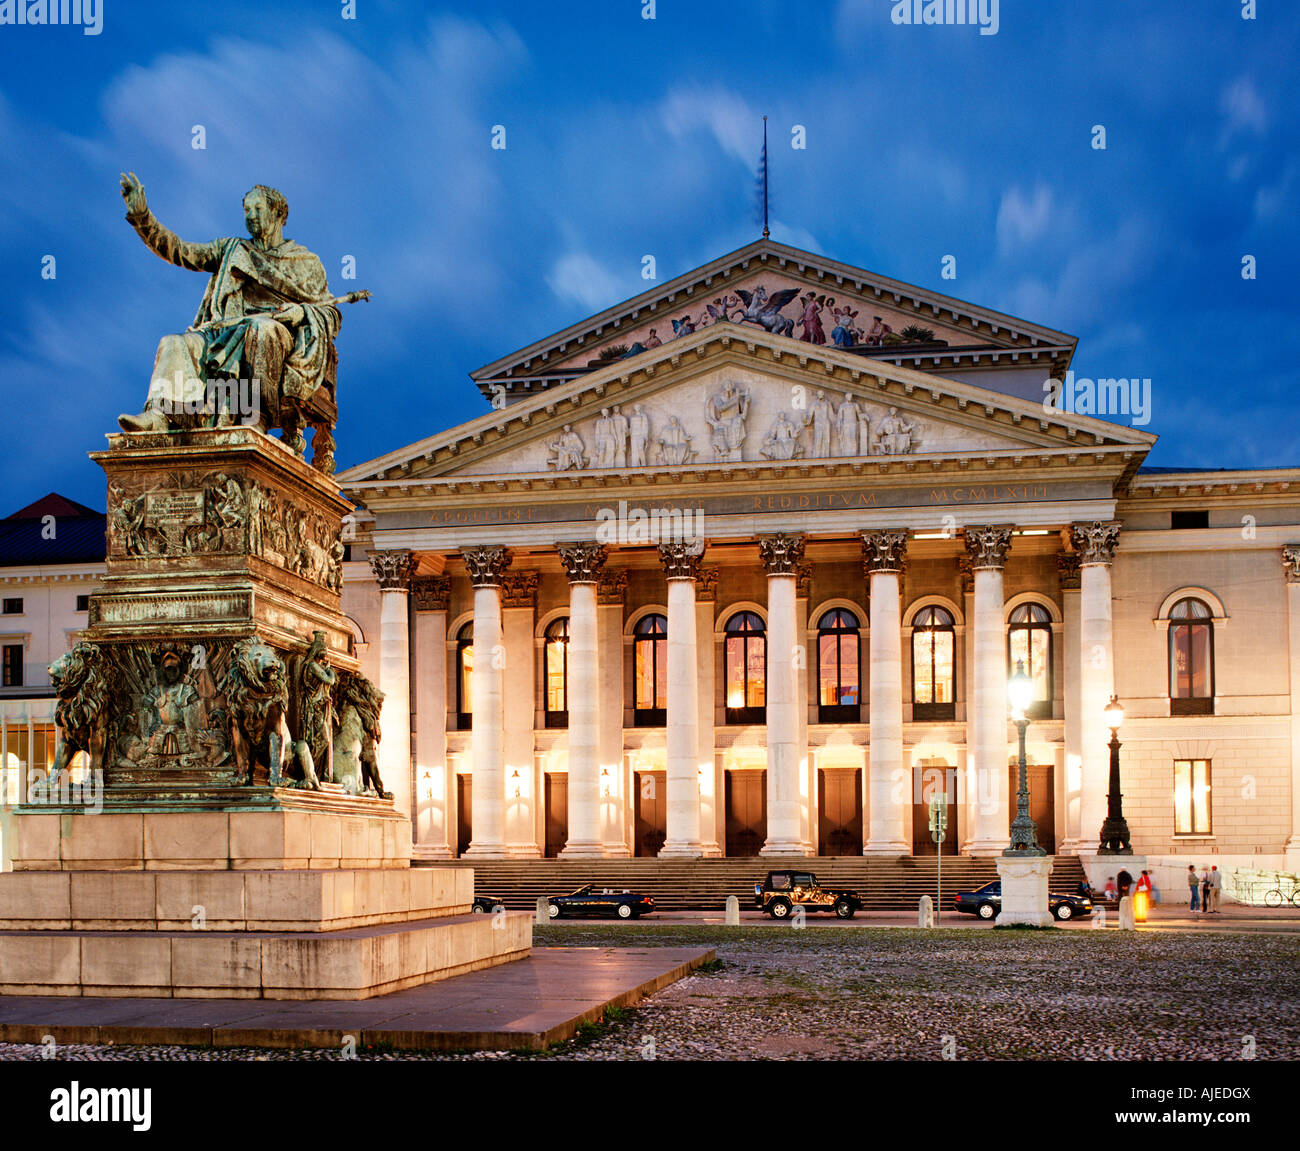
x: 18, y: 677
x: 649, y: 716
x: 1192, y: 833
x: 464, y: 713
x: 1040, y: 708
x: 556, y: 719
x: 1190, y: 704
x: 748, y: 714
x: 933, y: 711
x: 839, y: 712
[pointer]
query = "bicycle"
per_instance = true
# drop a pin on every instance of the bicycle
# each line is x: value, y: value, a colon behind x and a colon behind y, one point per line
x: 1275, y: 897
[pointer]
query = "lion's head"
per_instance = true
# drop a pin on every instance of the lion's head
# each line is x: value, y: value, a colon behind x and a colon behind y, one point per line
x: 354, y: 690
x: 81, y: 681
x: 255, y: 681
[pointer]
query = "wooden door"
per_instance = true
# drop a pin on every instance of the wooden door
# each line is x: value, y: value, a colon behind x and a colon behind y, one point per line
x: 1042, y: 801
x: 651, y: 811
x: 746, y: 812
x: 839, y: 826
x: 557, y: 814
x: 927, y: 781
x: 464, y: 812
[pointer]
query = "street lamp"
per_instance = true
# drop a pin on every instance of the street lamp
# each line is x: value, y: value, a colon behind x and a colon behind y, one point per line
x: 1115, y: 838
x: 1024, y: 835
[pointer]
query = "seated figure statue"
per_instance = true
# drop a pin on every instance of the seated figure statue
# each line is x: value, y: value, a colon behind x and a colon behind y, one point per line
x: 267, y: 316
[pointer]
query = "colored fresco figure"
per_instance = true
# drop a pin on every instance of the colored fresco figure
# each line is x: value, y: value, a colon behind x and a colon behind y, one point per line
x: 820, y: 417
x: 683, y: 327
x: 765, y: 311
x: 845, y: 334
x: 653, y: 340
x: 852, y: 430
x: 267, y: 315
x: 638, y: 436
x: 782, y: 442
x: 725, y: 414
x: 675, y: 444
x: 720, y: 310
x: 619, y: 427
x: 894, y: 434
x: 569, y: 450
x: 877, y: 333
x: 811, y: 320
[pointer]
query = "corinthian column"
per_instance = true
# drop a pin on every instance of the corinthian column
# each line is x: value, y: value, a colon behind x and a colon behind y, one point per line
x: 682, y: 565
x: 1071, y: 788
x: 1291, y: 569
x: 987, y: 549
x: 889, y: 798
x: 393, y: 571
x: 583, y: 563
x: 486, y: 565
x: 1095, y: 542
x: 433, y: 795
x: 781, y: 556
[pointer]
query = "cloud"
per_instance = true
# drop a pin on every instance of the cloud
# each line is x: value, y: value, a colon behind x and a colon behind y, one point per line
x: 1023, y: 218
x: 579, y: 277
x: 1242, y: 108
x: 734, y: 125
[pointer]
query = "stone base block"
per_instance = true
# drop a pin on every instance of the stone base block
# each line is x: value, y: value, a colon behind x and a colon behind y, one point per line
x: 298, y: 832
x: 1024, y: 891
x: 311, y: 901
x: 356, y: 964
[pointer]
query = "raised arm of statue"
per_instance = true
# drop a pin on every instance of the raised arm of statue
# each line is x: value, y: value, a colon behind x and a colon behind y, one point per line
x: 168, y: 245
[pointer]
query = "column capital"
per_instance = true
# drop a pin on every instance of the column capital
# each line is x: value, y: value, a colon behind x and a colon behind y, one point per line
x: 682, y: 560
x: 1067, y: 567
x: 611, y: 587
x: 432, y: 593
x: 392, y: 569
x: 1096, y: 541
x: 884, y: 550
x: 486, y: 565
x: 1291, y: 562
x: 706, y: 585
x: 583, y: 562
x: 781, y: 552
x: 519, y: 589
x: 987, y: 545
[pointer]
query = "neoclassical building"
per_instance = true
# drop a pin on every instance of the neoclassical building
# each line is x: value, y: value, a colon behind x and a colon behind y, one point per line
x: 741, y: 566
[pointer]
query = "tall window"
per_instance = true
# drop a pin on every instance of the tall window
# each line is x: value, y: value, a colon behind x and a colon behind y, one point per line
x: 934, y: 642
x: 650, y: 670
x: 13, y: 665
x: 557, y: 673
x: 746, y: 668
x: 1191, y: 797
x: 1191, y: 659
x: 464, y: 675
x: 838, y: 684
x: 1029, y: 642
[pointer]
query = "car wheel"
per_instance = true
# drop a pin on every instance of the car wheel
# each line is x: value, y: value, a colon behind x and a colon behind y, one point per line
x: 1064, y: 911
x: 624, y: 911
x: 987, y: 911
x: 553, y: 910
x: 844, y: 909
x: 479, y: 909
x: 778, y: 908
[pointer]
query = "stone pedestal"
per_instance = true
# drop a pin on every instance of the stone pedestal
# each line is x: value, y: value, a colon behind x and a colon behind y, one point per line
x: 1024, y: 890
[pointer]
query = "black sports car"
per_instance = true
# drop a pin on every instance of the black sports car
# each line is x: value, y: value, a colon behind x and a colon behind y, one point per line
x: 986, y: 902
x: 486, y: 904
x: 593, y: 900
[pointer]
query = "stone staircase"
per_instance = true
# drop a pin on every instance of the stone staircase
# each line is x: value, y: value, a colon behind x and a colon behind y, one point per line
x: 704, y: 884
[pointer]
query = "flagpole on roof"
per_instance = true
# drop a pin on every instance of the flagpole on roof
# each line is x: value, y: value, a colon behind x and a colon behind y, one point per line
x: 766, y: 233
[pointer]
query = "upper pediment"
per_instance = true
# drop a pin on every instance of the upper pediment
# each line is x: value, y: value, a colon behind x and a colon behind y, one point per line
x: 769, y: 287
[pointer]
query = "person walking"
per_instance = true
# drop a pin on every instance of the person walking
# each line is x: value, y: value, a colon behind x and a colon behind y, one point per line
x: 1216, y: 888
x: 1194, y: 885
x: 1205, y: 892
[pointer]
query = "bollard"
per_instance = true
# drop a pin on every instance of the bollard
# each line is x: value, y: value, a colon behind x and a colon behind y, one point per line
x: 543, y: 912
x: 733, y: 911
x: 925, y: 912
x: 1126, y: 918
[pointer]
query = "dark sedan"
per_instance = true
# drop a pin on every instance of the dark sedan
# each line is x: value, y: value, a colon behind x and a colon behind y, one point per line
x: 987, y: 902
x: 486, y: 904
x: 593, y: 900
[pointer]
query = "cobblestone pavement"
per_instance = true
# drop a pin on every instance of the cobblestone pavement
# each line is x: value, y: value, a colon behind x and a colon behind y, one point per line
x: 862, y: 993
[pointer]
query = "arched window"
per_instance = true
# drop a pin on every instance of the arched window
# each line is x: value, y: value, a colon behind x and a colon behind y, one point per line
x: 650, y: 670
x: 934, y: 642
x: 839, y: 687
x: 557, y: 673
x: 746, y: 668
x: 464, y: 674
x: 1191, y: 658
x: 1029, y: 642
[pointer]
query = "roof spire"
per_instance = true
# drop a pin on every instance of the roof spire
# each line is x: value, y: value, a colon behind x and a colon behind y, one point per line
x: 762, y: 175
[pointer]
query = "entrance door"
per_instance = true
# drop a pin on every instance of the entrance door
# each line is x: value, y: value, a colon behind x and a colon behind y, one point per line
x: 651, y: 811
x: 746, y: 811
x: 557, y: 814
x: 928, y: 781
x: 464, y: 812
x: 1042, y: 801
x: 839, y: 828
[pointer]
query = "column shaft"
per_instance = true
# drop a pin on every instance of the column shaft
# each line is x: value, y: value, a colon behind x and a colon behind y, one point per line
x: 783, y: 823
x: 584, y: 724
x: 432, y: 778
x: 395, y: 683
x: 1097, y: 684
x: 1291, y: 555
x: 992, y: 817
x: 683, y: 801
x: 487, y: 738
x: 889, y: 793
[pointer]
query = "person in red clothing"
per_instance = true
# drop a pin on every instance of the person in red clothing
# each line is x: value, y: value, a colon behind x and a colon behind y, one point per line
x: 1142, y: 896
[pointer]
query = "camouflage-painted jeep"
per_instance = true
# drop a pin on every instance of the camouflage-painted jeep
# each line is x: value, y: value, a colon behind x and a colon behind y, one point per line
x: 783, y: 891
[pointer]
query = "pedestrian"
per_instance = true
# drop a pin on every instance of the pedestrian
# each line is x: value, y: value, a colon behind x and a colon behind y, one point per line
x: 1155, y: 889
x: 1109, y: 890
x: 1205, y: 892
x: 1142, y: 896
x: 1194, y: 885
x: 1216, y: 888
x: 1125, y: 882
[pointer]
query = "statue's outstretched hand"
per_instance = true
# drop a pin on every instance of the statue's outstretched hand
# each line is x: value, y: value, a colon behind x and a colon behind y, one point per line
x: 133, y: 194
x: 292, y: 315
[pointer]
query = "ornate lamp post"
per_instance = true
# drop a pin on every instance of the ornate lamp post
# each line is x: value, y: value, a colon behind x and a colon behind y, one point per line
x: 1115, y: 838
x: 1024, y: 834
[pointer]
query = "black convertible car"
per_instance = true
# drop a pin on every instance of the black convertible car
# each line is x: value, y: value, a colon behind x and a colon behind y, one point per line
x: 486, y: 904
x: 987, y: 902
x: 593, y: 900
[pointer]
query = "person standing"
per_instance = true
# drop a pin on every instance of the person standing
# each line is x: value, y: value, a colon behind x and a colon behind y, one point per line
x: 1216, y: 888
x: 1142, y: 895
x: 1194, y: 885
x: 1205, y: 892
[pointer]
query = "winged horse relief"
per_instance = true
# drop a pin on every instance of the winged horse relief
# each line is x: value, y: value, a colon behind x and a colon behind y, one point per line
x: 765, y: 310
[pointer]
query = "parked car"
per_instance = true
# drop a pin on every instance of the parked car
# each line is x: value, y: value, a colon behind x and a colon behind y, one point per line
x: 986, y: 902
x: 486, y: 904
x: 782, y: 891
x: 593, y: 900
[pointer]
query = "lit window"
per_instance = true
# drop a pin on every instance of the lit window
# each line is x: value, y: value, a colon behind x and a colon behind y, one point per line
x: 464, y: 676
x: 746, y: 668
x: 650, y: 670
x: 934, y: 641
x: 557, y: 673
x: 1029, y: 643
x: 1191, y: 797
x: 839, y: 690
x: 1191, y: 658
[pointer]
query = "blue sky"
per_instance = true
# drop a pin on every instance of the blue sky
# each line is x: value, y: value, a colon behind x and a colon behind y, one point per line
x: 627, y: 137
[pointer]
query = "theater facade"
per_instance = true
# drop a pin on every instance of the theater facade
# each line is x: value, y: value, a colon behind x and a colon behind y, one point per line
x: 741, y: 567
